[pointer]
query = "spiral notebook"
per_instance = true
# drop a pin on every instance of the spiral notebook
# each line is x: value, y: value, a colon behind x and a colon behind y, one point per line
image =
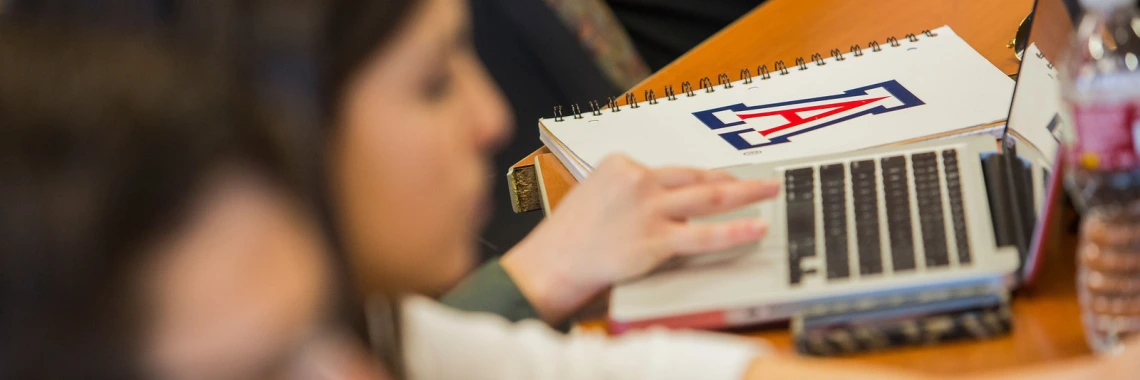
x: 926, y: 85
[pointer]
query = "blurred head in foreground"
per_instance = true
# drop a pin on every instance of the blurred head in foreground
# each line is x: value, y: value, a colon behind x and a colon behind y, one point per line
x: 149, y: 227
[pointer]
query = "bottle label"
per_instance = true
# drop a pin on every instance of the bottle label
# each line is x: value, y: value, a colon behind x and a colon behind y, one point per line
x: 1107, y: 136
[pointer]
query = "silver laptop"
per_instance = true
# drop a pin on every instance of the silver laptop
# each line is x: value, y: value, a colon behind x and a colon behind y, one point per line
x: 918, y: 219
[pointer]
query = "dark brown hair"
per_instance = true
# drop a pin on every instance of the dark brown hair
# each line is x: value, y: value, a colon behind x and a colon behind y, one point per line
x: 356, y: 31
x: 294, y: 59
x: 105, y: 139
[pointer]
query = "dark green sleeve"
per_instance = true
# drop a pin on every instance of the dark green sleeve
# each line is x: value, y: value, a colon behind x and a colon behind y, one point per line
x: 490, y: 289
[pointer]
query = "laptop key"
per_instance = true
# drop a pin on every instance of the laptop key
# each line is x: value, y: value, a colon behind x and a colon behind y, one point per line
x: 866, y: 204
x: 957, y: 212
x: 896, y: 194
x: 928, y: 191
x: 833, y: 189
x: 799, y: 188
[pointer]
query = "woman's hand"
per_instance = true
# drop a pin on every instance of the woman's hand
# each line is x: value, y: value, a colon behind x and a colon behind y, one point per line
x: 623, y: 221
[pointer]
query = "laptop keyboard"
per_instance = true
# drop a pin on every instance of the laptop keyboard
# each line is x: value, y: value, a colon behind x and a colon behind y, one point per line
x: 799, y: 184
x: 865, y: 194
x: 929, y: 195
x: 957, y: 215
x: 833, y: 186
x: 860, y: 181
x: 897, y: 197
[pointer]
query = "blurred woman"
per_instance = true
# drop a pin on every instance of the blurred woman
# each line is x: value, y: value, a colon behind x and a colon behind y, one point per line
x: 413, y: 122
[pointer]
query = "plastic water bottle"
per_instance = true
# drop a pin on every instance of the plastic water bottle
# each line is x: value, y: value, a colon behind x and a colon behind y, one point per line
x: 1101, y: 76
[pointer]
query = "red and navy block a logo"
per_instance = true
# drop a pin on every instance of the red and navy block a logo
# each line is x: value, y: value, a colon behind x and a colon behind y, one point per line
x: 747, y: 127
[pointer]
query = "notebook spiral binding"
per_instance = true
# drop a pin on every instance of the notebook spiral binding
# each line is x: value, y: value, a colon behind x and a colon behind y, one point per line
x: 1047, y: 63
x: 706, y: 85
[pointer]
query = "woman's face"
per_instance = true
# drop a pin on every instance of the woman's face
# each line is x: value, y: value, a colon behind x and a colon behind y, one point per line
x: 242, y: 290
x: 412, y: 154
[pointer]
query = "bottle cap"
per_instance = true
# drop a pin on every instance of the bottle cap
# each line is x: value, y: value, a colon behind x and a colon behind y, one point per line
x: 1105, y: 4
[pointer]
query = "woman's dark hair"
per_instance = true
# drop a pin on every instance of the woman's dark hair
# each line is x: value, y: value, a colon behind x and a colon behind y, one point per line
x: 105, y: 140
x: 356, y: 30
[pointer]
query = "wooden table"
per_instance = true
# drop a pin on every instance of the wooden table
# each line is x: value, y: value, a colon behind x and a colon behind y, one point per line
x: 1046, y: 321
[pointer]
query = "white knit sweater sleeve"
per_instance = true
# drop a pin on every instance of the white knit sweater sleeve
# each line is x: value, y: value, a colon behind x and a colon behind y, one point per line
x: 441, y: 343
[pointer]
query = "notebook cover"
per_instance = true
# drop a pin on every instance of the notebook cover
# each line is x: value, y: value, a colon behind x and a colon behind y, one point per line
x: 853, y: 99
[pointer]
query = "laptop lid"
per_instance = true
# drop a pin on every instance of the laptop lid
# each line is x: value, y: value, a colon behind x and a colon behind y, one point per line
x: 1036, y: 113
